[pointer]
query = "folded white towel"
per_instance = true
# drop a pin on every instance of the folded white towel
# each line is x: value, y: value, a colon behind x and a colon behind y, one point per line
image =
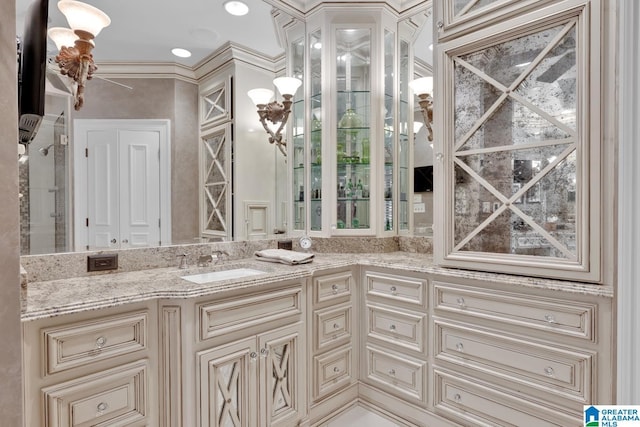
x: 284, y: 256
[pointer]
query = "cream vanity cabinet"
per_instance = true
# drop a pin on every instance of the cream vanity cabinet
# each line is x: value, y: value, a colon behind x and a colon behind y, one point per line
x: 92, y: 368
x: 235, y: 359
x: 519, y: 138
x: 393, y: 332
x: 332, y: 330
x: 504, y: 355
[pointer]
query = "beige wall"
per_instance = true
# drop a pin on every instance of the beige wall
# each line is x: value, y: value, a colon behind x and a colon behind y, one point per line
x: 10, y: 350
x: 158, y: 99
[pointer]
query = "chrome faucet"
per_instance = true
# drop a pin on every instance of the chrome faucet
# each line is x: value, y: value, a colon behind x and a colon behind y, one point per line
x: 183, y: 261
x: 217, y: 255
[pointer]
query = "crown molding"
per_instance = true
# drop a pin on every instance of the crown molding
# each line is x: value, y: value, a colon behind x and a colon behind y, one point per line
x: 421, y: 68
x: 146, y: 70
x: 226, y: 54
x: 233, y: 52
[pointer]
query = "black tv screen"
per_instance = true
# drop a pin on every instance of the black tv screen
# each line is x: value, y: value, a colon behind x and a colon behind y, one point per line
x: 33, y: 70
x: 423, y: 179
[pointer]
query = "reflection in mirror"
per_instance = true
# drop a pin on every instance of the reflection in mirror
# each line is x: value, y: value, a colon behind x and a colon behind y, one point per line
x: 515, y: 142
x: 422, y: 147
x: 46, y: 181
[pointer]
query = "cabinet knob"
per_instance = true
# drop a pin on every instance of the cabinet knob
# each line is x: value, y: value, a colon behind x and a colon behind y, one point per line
x: 439, y: 24
x: 459, y: 347
x: 392, y: 328
x: 460, y: 302
x: 336, y: 369
x: 392, y: 372
x: 549, y: 371
x: 125, y: 241
x: 336, y: 326
x: 264, y: 352
x: 549, y: 318
x: 457, y: 397
x: 114, y: 241
x: 334, y: 288
x: 102, y: 406
x: 393, y: 290
x: 253, y: 355
x: 100, y: 342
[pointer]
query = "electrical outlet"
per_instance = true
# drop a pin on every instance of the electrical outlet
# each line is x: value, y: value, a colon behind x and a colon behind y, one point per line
x: 102, y: 262
x: 419, y: 208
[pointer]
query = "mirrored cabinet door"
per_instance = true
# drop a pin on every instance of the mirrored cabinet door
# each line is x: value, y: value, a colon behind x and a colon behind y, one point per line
x: 520, y: 193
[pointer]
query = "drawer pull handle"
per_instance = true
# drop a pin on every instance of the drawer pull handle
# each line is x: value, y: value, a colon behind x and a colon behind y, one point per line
x: 102, y: 407
x: 460, y: 302
x: 549, y: 371
x: 264, y: 352
x: 459, y: 347
x: 334, y: 288
x: 100, y: 342
x: 457, y: 397
x: 392, y: 328
x: 549, y: 318
x: 393, y: 290
x: 392, y: 372
x: 336, y: 326
x: 336, y: 369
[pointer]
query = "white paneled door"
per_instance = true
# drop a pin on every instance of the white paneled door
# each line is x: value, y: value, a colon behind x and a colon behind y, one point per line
x: 123, y: 184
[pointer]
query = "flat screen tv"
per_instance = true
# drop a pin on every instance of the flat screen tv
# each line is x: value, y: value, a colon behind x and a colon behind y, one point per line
x: 423, y: 179
x: 32, y: 70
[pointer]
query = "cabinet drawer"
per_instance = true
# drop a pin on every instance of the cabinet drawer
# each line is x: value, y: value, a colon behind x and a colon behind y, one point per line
x: 332, y: 287
x: 398, y: 327
x: 80, y: 343
x: 116, y: 397
x: 551, y: 369
x: 396, y: 288
x: 473, y: 403
x: 332, y: 326
x: 332, y: 371
x: 226, y: 316
x: 573, y: 319
x: 397, y: 373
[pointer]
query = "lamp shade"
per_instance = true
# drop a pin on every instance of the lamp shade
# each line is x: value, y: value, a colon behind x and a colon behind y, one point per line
x: 62, y: 36
x: 422, y: 85
x: 287, y: 85
x: 260, y: 96
x: 84, y: 17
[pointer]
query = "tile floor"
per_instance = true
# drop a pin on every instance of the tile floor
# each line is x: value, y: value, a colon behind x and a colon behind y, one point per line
x: 360, y: 417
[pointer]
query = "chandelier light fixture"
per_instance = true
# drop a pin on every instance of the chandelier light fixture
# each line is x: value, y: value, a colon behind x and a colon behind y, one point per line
x: 275, y: 112
x: 423, y: 88
x: 75, y: 44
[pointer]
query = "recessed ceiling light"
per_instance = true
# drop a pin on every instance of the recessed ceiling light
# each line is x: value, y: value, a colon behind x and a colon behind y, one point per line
x: 182, y: 53
x: 236, y: 8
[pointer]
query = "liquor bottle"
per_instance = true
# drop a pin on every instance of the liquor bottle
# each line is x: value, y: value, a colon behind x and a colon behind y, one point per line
x: 359, y: 189
x: 349, y: 188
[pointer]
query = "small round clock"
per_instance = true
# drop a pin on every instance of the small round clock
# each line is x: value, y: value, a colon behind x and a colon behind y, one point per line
x: 305, y: 242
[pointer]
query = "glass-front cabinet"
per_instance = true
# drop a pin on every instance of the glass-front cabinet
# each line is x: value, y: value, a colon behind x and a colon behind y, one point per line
x: 518, y: 147
x: 350, y: 168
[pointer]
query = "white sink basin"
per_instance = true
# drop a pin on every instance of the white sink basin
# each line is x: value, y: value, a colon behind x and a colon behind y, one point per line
x: 216, y: 276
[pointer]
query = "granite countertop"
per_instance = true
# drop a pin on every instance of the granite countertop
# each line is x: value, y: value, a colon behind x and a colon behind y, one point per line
x: 43, y: 299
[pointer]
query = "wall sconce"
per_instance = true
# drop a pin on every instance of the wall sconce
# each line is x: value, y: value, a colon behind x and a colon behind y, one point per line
x: 274, y: 111
x: 75, y: 44
x: 423, y: 87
